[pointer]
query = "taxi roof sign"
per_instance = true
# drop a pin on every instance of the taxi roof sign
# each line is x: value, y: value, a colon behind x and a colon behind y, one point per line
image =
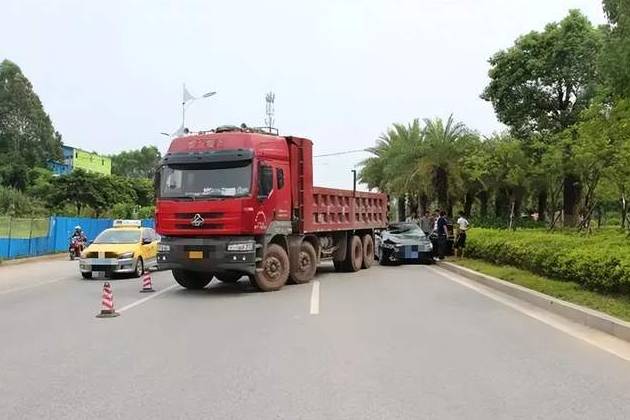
x: 127, y: 223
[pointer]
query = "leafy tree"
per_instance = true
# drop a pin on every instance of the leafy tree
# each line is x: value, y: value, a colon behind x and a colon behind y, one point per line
x: 27, y: 137
x: 541, y: 85
x: 616, y: 53
x: 139, y: 163
x: 79, y: 188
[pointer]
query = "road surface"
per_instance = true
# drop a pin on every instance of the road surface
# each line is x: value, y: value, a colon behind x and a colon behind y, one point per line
x: 386, y: 343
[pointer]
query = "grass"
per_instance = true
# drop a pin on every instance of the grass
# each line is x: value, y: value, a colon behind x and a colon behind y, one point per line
x: 617, y: 306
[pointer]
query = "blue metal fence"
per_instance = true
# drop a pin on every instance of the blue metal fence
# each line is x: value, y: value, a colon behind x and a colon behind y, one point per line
x: 34, y: 238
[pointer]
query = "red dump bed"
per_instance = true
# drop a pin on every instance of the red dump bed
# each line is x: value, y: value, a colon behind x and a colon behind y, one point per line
x: 327, y: 209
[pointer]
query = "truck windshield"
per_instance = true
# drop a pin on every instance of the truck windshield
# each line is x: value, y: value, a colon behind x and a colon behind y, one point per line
x: 206, y: 180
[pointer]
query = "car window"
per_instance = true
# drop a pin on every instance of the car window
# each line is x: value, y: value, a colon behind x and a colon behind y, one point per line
x: 117, y: 236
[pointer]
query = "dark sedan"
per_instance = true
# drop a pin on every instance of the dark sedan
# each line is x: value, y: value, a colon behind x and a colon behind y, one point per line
x: 403, y: 243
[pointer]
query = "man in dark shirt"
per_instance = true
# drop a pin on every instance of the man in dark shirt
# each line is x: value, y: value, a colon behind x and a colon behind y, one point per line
x: 442, y: 232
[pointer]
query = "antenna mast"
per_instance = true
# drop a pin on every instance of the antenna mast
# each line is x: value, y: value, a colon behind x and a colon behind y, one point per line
x: 270, y: 98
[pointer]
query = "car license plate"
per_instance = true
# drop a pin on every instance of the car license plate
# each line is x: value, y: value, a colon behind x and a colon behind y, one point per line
x: 195, y: 255
x: 98, y: 274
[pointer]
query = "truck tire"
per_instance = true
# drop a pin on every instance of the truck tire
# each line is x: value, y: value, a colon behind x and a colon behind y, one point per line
x: 274, y: 270
x: 228, y: 277
x: 306, y: 265
x: 191, y: 279
x: 354, y: 256
x: 368, y: 251
x: 340, y: 266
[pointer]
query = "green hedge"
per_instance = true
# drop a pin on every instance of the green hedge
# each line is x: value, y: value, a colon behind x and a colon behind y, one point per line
x: 598, y: 262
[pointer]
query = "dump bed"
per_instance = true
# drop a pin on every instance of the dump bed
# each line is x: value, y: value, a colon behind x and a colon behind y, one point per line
x: 327, y: 209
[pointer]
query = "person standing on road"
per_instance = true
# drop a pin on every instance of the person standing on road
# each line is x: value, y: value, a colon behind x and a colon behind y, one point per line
x: 442, y: 233
x: 426, y: 223
x: 462, y: 228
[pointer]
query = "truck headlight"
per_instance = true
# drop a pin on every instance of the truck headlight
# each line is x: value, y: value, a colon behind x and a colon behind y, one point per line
x: 241, y: 246
x: 125, y: 255
x: 164, y: 247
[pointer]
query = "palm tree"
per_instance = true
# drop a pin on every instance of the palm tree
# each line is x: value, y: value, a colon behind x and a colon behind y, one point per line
x: 438, y: 160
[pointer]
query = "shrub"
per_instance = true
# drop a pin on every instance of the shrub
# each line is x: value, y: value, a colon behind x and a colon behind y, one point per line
x: 598, y: 262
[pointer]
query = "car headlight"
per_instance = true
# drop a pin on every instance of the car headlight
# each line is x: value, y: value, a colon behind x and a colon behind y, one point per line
x: 241, y: 246
x: 125, y: 255
x: 164, y: 247
x: 389, y: 246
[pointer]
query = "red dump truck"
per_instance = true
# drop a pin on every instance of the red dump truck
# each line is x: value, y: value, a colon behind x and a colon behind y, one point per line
x: 239, y: 201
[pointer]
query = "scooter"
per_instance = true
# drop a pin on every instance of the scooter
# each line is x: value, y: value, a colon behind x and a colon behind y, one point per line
x: 76, y: 247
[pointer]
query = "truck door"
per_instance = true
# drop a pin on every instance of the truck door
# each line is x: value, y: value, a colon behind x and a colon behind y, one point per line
x: 283, y: 191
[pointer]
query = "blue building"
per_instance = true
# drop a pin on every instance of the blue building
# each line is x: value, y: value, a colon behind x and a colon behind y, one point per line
x: 65, y: 167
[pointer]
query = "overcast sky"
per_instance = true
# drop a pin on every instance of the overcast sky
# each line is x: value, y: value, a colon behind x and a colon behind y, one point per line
x: 110, y: 73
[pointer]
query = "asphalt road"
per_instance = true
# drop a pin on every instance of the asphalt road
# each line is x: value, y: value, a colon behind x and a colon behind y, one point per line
x: 387, y: 343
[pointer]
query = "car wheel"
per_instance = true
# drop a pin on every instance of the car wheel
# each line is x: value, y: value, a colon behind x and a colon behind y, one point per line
x: 139, y: 267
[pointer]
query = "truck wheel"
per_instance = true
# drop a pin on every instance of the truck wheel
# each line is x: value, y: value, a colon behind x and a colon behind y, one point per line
x: 228, y: 277
x: 354, y: 257
x: 340, y: 266
x: 274, y: 270
x: 191, y: 279
x: 368, y: 251
x: 306, y: 265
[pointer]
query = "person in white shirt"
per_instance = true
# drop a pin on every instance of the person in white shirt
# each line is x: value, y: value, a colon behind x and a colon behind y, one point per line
x: 462, y: 228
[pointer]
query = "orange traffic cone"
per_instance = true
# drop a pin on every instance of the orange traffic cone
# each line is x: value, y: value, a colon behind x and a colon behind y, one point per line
x: 147, y: 285
x: 107, y: 306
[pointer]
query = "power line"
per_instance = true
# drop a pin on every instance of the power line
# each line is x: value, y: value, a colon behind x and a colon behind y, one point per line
x: 347, y: 152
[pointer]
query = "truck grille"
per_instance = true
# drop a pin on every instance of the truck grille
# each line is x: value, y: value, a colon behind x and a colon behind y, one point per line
x: 211, y: 220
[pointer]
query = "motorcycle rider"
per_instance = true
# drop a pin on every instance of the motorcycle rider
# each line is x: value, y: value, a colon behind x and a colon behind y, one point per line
x: 79, y: 235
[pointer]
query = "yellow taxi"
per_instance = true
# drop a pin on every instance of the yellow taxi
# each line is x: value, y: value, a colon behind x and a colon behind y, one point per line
x: 126, y: 248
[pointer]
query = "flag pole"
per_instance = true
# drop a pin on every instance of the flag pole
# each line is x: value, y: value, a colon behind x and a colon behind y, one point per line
x: 184, y: 108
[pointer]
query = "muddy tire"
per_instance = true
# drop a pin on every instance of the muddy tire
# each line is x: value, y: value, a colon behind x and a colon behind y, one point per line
x: 354, y: 256
x: 228, y: 277
x: 274, y: 269
x: 191, y: 279
x: 306, y: 264
x: 368, y: 251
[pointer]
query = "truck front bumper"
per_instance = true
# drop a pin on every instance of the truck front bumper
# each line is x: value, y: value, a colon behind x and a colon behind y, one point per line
x: 209, y: 255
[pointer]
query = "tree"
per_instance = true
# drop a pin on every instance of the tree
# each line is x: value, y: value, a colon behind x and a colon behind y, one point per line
x: 79, y: 188
x: 439, y: 156
x: 540, y: 85
x: 27, y: 136
x: 139, y: 163
x: 615, y: 60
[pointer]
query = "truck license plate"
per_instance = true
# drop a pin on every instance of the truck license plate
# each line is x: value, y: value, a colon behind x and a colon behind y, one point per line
x: 195, y: 255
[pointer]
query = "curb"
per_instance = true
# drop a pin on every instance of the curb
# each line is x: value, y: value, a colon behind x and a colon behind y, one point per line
x: 17, y: 261
x: 585, y: 316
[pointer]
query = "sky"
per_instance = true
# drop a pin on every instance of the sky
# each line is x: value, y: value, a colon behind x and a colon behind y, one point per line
x: 110, y: 73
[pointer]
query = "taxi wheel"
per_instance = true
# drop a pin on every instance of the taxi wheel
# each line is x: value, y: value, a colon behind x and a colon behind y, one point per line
x: 139, y: 267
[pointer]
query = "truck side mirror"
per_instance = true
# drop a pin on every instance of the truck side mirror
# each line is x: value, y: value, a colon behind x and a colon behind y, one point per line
x: 265, y: 181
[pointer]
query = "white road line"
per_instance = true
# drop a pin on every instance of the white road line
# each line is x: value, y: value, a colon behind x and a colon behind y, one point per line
x: 146, y: 299
x: 315, y: 298
x: 603, y: 341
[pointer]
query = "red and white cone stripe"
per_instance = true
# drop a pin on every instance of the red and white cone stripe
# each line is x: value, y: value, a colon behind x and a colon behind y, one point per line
x: 147, y: 285
x: 107, y: 303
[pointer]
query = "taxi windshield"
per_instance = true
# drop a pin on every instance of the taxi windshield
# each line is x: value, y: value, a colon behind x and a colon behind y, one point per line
x: 117, y: 236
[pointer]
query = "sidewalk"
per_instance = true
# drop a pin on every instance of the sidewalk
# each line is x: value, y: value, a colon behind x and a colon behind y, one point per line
x: 16, y: 261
